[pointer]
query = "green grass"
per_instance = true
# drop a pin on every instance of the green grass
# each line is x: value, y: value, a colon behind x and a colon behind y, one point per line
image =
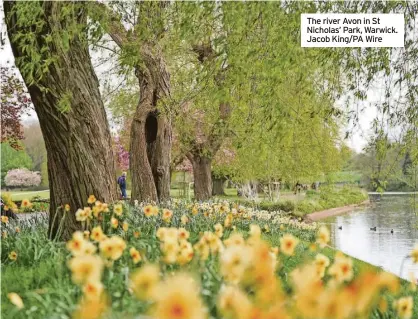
x: 330, y: 198
x: 20, y: 195
x: 231, y: 194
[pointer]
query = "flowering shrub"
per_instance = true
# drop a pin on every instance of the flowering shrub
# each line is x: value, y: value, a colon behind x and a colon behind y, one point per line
x: 194, y: 260
x: 22, y: 177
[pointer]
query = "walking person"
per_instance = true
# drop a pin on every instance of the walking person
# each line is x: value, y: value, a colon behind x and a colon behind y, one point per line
x: 122, y: 185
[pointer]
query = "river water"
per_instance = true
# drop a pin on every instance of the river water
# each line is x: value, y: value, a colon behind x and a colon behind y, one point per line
x: 380, y: 247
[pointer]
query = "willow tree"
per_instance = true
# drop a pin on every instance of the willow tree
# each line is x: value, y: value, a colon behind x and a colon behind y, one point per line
x: 233, y: 58
x: 50, y: 46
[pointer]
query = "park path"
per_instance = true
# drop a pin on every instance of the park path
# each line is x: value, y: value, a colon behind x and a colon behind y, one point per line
x: 334, y: 211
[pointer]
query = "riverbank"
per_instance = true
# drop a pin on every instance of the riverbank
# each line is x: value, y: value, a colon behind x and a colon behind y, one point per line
x: 334, y: 211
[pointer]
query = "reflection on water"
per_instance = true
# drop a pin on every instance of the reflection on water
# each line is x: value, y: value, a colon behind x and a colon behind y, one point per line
x: 379, y: 247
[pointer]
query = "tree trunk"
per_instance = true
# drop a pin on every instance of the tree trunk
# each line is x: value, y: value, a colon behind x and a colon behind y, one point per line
x: 202, y: 176
x: 150, y: 145
x: 218, y: 186
x: 78, y: 143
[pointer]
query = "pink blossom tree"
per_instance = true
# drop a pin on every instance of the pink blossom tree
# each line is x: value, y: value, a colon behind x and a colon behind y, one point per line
x: 122, y: 155
x: 22, y: 177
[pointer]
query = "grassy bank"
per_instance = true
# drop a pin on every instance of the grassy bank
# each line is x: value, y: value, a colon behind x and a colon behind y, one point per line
x: 328, y: 197
x: 39, y: 273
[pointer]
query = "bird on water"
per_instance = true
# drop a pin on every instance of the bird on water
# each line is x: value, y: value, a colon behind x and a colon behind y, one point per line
x: 373, y: 228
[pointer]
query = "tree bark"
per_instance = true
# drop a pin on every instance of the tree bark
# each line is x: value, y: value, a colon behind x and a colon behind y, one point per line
x: 150, y: 146
x: 78, y: 143
x: 218, y: 185
x: 202, y: 176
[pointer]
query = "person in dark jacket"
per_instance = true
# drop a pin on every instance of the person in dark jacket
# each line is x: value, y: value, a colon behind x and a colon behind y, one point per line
x: 122, y: 184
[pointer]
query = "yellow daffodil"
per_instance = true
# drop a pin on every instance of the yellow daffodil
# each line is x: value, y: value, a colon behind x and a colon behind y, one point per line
x: 178, y: 298
x: 255, y: 231
x: 125, y: 226
x: 183, y: 233
x: 114, y: 222
x: 4, y: 219
x: 118, y: 209
x: 148, y: 210
x: 404, y: 307
x: 136, y: 256
x: 97, y: 234
x: 234, y: 240
x: 81, y: 215
x: 91, y: 199
x: 86, y: 268
x: 112, y: 248
x: 15, y: 299
x: 342, y: 269
x: 219, y: 230
x: 26, y: 203
x: 89, y: 248
x: 144, y: 281
x: 13, y: 255
x: 288, y: 244
x: 167, y: 214
x: 228, y: 221
x: 323, y: 236
x: 234, y: 262
x: 93, y: 290
x: 91, y: 308
x: 77, y: 244
x: 184, y: 219
x: 233, y: 303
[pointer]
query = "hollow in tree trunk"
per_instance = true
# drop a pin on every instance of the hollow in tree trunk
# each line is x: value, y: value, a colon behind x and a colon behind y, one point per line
x: 78, y: 143
x: 150, y: 144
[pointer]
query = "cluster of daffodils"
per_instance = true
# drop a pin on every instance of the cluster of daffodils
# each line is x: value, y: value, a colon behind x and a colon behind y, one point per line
x: 230, y: 212
x: 10, y: 205
x: 175, y: 245
x: 288, y: 221
x: 95, y: 209
x: 5, y: 222
x: 91, y: 252
x: 210, y: 243
x: 251, y: 272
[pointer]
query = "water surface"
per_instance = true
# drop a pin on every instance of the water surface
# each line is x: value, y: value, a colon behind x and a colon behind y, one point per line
x: 380, y: 247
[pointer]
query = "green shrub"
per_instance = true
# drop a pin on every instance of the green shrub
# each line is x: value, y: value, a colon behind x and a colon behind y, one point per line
x: 286, y: 206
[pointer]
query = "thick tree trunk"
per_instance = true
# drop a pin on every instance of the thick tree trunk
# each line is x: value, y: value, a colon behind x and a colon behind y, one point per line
x: 218, y: 186
x: 78, y: 143
x: 202, y: 176
x: 150, y: 147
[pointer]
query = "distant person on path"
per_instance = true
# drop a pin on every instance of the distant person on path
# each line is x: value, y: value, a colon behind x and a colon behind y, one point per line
x: 122, y: 185
x: 298, y: 187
